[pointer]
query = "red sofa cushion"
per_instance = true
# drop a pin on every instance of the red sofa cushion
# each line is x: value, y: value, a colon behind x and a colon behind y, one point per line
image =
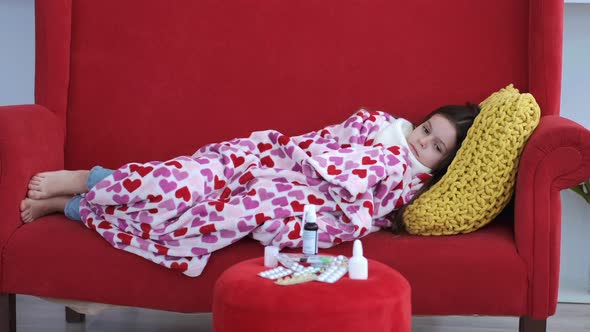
x: 167, y: 77
x: 447, y: 277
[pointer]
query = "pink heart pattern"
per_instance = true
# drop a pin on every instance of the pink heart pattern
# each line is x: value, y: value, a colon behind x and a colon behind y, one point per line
x: 188, y: 207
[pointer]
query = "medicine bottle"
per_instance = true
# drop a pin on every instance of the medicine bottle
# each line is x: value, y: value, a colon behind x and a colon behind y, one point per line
x: 310, y: 231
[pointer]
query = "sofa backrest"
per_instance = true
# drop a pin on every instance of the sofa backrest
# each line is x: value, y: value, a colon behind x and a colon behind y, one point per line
x: 141, y: 80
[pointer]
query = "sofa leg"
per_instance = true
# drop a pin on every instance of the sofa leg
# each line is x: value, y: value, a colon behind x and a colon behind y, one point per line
x: 73, y: 316
x: 8, y: 312
x: 527, y: 324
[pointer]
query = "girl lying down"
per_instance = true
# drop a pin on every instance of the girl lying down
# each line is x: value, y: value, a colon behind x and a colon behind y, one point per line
x: 177, y: 212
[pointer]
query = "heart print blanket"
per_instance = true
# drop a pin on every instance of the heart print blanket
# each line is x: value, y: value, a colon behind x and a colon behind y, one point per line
x: 176, y: 213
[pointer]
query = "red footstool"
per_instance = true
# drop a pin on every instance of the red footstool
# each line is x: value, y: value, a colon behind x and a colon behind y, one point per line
x: 243, y: 301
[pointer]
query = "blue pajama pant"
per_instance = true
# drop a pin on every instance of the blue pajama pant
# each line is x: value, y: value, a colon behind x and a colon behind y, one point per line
x: 97, y: 173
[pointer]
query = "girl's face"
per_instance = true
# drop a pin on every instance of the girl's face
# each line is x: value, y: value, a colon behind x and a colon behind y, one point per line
x: 433, y: 140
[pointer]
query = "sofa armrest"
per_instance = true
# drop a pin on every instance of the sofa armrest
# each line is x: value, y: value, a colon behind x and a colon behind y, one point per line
x: 31, y: 141
x: 556, y: 157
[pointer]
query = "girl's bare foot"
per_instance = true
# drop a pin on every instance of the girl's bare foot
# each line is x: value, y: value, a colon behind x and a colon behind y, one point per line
x: 31, y: 209
x: 58, y: 183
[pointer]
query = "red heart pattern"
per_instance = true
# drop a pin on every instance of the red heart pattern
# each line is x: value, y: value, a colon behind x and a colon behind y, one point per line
x: 264, y: 146
x: 284, y: 140
x: 246, y: 178
x: 332, y: 170
x: 224, y: 197
x: 131, y: 185
x: 267, y: 161
x: 104, y: 225
x: 110, y: 210
x: 297, y: 207
x: 219, y: 205
x: 174, y: 163
x: 207, y: 229
x: 180, y: 232
x: 183, y: 193
x: 295, y: 233
x: 237, y: 161
x: 146, y: 228
x: 182, y: 267
x: 369, y: 206
x: 394, y: 150
x: 312, y: 199
x: 141, y: 170
x: 218, y: 184
x: 361, y: 173
x: 161, y: 250
x: 305, y: 144
x: 261, y: 218
x: 154, y: 198
x: 125, y: 238
x: 368, y: 161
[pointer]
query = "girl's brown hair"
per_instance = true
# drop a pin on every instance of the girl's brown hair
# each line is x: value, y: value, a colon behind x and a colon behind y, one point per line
x: 462, y: 118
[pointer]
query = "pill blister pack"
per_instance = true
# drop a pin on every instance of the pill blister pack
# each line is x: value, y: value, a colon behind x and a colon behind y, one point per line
x: 276, y: 273
x: 290, y: 263
x: 307, y: 270
x: 313, y: 260
x: 294, y: 273
x: 336, y: 270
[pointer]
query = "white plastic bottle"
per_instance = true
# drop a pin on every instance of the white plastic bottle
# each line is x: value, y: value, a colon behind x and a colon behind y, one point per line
x: 358, y: 266
x: 270, y: 256
x: 310, y: 231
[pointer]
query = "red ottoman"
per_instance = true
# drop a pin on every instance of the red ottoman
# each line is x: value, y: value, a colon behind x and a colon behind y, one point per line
x: 243, y: 301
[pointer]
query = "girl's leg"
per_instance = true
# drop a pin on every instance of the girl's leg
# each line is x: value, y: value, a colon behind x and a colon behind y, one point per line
x: 69, y: 205
x: 72, y: 208
x: 60, y: 183
x: 96, y: 175
x: 32, y: 209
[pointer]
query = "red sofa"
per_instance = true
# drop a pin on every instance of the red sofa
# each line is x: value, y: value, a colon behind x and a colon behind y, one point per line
x: 140, y: 80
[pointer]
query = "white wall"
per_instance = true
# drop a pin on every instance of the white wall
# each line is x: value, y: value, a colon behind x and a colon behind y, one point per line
x: 17, y: 52
x: 575, y: 255
x: 16, y: 87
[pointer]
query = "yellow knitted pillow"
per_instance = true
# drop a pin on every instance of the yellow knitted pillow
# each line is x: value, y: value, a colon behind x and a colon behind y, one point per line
x: 480, y: 181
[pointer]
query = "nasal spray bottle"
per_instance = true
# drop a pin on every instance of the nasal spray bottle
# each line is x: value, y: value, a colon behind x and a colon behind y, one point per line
x: 310, y: 231
x: 358, y: 267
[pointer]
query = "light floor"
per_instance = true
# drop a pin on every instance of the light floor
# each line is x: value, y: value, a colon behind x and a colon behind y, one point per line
x: 37, y: 315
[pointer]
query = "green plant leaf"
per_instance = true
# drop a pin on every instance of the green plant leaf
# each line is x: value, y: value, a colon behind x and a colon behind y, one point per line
x: 583, y: 189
